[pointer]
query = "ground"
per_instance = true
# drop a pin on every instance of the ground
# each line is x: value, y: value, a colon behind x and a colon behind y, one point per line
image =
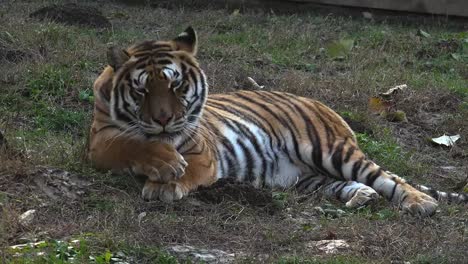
x: 46, y: 74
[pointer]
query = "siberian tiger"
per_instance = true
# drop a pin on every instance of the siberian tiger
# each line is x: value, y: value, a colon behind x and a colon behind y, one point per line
x: 153, y: 116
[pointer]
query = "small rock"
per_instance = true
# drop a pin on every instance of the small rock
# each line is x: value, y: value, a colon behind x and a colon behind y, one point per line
x: 367, y: 15
x: 141, y: 216
x: 203, y: 255
x: 329, y: 246
x: 27, y: 217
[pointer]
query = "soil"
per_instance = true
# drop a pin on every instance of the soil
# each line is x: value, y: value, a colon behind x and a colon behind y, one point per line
x: 12, y: 55
x: 73, y: 14
x: 245, y: 194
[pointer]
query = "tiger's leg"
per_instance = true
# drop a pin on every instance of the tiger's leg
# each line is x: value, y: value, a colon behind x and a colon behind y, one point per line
x: 346, y: 162
x: 201, y: 171
x: 110, y: 150
x: 354, y: 194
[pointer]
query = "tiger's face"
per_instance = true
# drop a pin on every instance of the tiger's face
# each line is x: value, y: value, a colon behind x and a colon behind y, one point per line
x: 158, y: 88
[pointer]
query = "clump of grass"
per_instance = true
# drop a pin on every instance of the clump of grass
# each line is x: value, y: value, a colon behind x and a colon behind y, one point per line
x: 59, y: 119
x: 385, y: 152
x: 51, y: 83
x: 86, y: 249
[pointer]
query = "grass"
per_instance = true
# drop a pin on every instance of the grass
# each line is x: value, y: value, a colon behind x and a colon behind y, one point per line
x: 83, y: 250
x: 47, y: 100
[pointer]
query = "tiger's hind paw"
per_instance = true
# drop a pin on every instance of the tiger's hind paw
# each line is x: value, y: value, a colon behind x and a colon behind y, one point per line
x: 363, y: 196
x: 419, y: 204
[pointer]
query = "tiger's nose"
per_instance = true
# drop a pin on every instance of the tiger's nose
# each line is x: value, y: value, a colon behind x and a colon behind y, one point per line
x: 163, y: 120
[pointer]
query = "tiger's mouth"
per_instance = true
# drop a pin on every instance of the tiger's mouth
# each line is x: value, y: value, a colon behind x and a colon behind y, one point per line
x: 163, y: 135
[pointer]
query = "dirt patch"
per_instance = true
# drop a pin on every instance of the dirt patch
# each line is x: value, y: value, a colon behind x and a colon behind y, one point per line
x: 12, y: 55
x: 245, y: 194
x: 358, y: 126
x: 2, y: 141
x: 73, y: 14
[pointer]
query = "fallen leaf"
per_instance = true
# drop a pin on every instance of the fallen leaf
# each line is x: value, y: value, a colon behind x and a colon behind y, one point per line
x: 393, y: 90
x: 378, y: 105
x: 456, y: 56
x: 423, y: 33
x: 27, y: 217
x: 340, y: 49
x: 254, y: 83
x: 446, y: 140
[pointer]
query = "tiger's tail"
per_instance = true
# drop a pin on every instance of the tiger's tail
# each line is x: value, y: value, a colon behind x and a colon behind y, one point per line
x: 449, y: 197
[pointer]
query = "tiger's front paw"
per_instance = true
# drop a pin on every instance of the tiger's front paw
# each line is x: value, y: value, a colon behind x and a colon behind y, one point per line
x: 158, y: 170
x: 166, y: 192
x: 173, y: 170
x: 419, y: 204
x: 151, y: 190
x: 172, y: 191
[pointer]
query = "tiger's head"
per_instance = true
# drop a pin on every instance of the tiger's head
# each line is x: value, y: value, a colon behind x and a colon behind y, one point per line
x: 158, y: 89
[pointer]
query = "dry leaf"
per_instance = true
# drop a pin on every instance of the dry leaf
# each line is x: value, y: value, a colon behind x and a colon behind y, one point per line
x: 255, y: 84
x: 378, y: 105
x: 393, y: 90
x: 446, y: 140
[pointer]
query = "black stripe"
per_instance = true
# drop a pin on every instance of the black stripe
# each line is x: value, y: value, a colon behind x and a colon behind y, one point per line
x: 337, y: 159
x: 313, y: 135
x: 248, y: 173
x: 226, y: 145
x: 107, y: 127
x: 349, y: 153
x: 252, y: 139
x: 357, y: 165
x: 434, y: 193
x: 339, y: 189
x: 364, y: 168
x: 234, y: 109
x: 163, y: 62
x: 373, y: 176
x: 393, y: 189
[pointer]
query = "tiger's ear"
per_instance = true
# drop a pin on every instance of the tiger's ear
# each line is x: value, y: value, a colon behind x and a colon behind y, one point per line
x: 187, y: 41
x: 116, y: 57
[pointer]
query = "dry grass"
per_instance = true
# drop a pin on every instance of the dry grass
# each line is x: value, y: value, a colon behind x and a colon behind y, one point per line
x: 45, y: 113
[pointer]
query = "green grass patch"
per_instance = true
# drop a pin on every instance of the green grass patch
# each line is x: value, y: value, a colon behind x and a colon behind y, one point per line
x: 51, y: 83
x: 59, y: 119
x: 386, y: 152
x: 84, y: 250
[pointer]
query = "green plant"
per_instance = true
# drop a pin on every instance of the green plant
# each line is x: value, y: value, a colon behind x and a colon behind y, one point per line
x: 50, y: 83
x: 386, y: 152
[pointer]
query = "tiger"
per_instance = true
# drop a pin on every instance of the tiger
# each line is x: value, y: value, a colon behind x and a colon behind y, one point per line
x: 153, y: 117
